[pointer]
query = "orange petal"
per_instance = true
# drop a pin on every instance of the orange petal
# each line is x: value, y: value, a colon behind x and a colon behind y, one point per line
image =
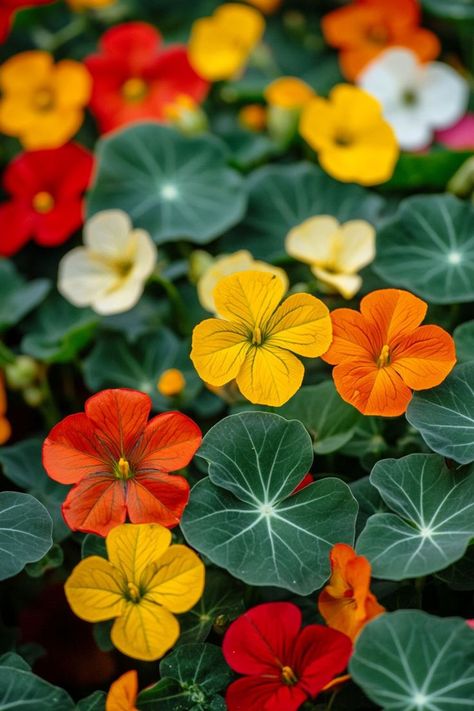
x: 351, y: 338
x: 168, y: 443
x: 157, y: 498
x: 392, y: 313
x: 423, y: 42
x: 95, y: 505
x: 372, y: 390
x: 123, y: 693
x: 424, y: 358
x: 121, y: 415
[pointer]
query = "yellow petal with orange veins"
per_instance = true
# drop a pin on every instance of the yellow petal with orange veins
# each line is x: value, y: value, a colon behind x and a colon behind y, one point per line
x: 131, y: 547
x: 145, y: 631
x: 249, y: 298
x: 176, y: 581
x: 123, y: 693
x: 312, y: 240
x: 301, y: 324
x: 218, y: 350
x: 95, y: 590
x: 270, y: 376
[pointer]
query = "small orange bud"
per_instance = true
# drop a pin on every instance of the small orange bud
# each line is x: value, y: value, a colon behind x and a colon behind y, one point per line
x: 171, y: 382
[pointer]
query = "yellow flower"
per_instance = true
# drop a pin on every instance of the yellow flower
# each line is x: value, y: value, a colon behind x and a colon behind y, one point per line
x: 141, y: 585
x: 220, y: 45
x: 288, y: 93
x: 335, y: 252
x: 226, y: 265
x: 256, y: 341
x: 78, y: 5
x: 110, y: 272
x: 171, y: 382
x: 42, y: 102
x: 267, y: 6
x: 353, y: 141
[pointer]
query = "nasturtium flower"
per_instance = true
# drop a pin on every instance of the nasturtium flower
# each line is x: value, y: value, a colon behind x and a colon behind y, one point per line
x: 459, y: 137
x: 135, y: 78
x: 288, y: 93
x: 119, y: 462
x: 382, y: 353
x: 416, y: 97
x: 8, y: 8
x: 171, y: 382
x: 255, y: 338
x: 334, y: 252
x: 253, y: 117
x: 363, y: 29
x: 79, y: 5
x: 5, y: 428
x: 346, y: 603
x: 353, y: 141
x: 220, y: 45
x: 283, y: 664
x: 144, y: 581
x: 226, y: 265
x: 109, y: 273
x: 42, y: 103
x: 46, y: 190
x: 266, y: 6
x: 123, y: 693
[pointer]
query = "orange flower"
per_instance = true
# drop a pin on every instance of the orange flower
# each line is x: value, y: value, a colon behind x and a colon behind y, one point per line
x: 5, y: 429
x: 364, y: 29
x: 347, y: 604
x: 382, y: 353
x: 123, y: 692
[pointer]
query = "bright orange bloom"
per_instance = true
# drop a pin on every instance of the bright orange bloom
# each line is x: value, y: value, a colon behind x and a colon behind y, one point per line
x: 382, y: 353
x: 5, y: 429
x: 367, y: 27
x: 347, y: 603
x: 123, y: 692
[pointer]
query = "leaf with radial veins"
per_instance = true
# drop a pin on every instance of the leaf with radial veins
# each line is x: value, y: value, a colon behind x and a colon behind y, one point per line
x: 411, y: 661
x: 444, y: 416
x: 432, y: 520
x: 244, y: 517
x: 21, y: 689
x: 464, y: 340
x: 428, y: 248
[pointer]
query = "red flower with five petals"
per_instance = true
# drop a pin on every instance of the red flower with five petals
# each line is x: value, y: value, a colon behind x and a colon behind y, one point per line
x: 283, y: 664
x: 134, y: 79
x: 120, y: 462
x: 46, y: 203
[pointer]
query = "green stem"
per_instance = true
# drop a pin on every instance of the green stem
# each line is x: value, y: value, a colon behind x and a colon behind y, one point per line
x: 176, y: 301
x: 48, y: 407
x: 51, y: 41
x: 331, y: 700
x: 419, y: 586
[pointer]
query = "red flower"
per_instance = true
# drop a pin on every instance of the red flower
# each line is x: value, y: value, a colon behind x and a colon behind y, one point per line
x: 46, y: 204
x: 283, y: 664
x: 134, y: 79
x: 119, y: 462
x: 8, y: 9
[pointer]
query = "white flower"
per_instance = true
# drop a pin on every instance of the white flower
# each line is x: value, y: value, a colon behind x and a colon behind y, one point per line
x: 416, y: 98
x: 110, y: 271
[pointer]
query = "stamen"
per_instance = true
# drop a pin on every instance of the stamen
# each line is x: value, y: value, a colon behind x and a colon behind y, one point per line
x: 43, y: 202
x: 133, y: 592
x: 124, y: 468
x: 288, y: 676
x: 257, y: 336
x: 384, y: 357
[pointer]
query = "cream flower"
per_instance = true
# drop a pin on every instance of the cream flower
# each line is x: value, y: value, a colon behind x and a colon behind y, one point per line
x: 335, y: 252
x: 417, y: 98
x: 110, y: 271
x: 241, y: 261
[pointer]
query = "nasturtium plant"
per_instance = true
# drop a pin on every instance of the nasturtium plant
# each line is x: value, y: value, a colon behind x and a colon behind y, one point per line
x: 172, y: 186
x: 17, y: 298
x: 245, y: 517
x: 464, y: 340
x: 426, y: 528
x: 21, y: 689
x: 415, y: 661
x: 427, y: 248
x: 445, y: 415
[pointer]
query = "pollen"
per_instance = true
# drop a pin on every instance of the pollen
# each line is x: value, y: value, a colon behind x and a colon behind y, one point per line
x: 384, y: 357
x: 133, y: 592
x: 288, y: 676
x: 123, y: 468
x: 256, y: 336
x: 134, y: 89
x: 43, y: 202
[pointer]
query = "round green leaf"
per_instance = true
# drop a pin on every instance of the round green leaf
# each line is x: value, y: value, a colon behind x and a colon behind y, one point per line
x: 450, y: 9
x: 411, y: 661
x: 25, y: 532
x: 432, y: 520
x: 444, y: 416
x: 464, y: 339
x: 21, y: 689
x: 17, y: 298
x: 173, y: 186
x: 428, y: 248
x: 244, y: 518
x: 283, y: 196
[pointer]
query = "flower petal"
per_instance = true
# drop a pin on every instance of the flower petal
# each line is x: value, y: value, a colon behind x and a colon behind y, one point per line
x: 351, y: 338
x: 121, y: 416
x: 248, y: 298
x: 94, y: 590
x: 356, y: 246
x: 82, y: 280
x: 144, y: 630
x: 392, y: 313
x: 301, y: 324
x: 311, y: 241
x: 169, y: 442
x: 176, y: 581
x: 108, y: 233
x: 424, y: 358
x: 131, y: 547
x: 372, y: 390
x: 269, y: 375
x: 320, y: 653
x: 255, y: 693
x: 96, y: 504
x: 157, y: 498
x: 218, y: 350
x: 346, y: 284
x: 123, y: 692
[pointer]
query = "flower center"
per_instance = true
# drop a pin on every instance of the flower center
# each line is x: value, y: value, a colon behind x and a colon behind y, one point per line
x: 43, y: 202
x: 134, y: 89
x: 122, y: 469
x: 378, y: 35
x: 133, y: 592
x: 257, y: 336
x: 288, y: 676
x: 384, y: 357
x: 43, y: 99
x: 342, y: 139
x: 409, y: 97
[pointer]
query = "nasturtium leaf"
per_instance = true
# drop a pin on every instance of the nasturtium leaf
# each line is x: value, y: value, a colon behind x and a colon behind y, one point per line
x: 21, y: 689
x: 21, y: 463
x: 460, y: 575
x: 25, y: 532
x: 444, y: 416
x: 281, y: 197
x: 432, y: 520
x: 411, y: 661
x: 114, y: 363
x: 422, y: 171
x: 243, y: 516
x: 58, y: 331
x: 93, y: 545
x: 369, y: 500
x: 464, y: 340
x: 94, y: 702
x: 173, y: 186
x: 17, y: 297
x: 428, y: 248
x: 450, y: 9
